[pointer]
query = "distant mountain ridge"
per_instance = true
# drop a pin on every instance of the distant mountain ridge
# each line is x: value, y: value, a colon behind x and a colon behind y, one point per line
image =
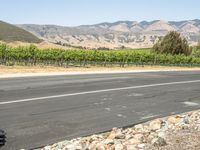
x: 11, y: 33
x: 130, y: 34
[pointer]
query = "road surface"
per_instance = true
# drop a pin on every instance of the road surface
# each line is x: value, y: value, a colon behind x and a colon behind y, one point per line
x: 36, y: 111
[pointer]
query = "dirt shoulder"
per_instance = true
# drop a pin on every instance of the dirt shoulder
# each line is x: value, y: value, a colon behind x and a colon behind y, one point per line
x: 50, y: 69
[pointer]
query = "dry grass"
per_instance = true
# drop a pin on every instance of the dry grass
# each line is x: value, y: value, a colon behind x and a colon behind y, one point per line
x: 45, y: 69
x: 42, y: 45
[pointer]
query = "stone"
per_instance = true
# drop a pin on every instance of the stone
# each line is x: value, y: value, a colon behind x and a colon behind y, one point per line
x: 135, y: 138
x: 186, y: 120
x: 139, y: 137
x: 112, y: 133
x: 174, y: 120
x: 100, y: 147
x: 158, y: 142
x: 119, y: 136
x: 131, y: 147
x: 128, y: 136
x: 62, y: 144
x: 138, y: 127
x: 108, y: 141
x: 47, y: 148
x: 69, y: 147
x: 155, y: 124
x: 78, y: 147
x: 119, y: 147
x: 141, y: 145
x: 194, y: 116
x: 92, y: 146
x: 162, y: 135
x: 134, y: 141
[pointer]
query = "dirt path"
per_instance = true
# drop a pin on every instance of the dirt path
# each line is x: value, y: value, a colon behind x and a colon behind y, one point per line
x: 46, y: 69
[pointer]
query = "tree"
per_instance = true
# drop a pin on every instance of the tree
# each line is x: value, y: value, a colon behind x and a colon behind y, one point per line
x: 198, y: 45
x: 197, y: 50
x: 173, y: 43
x: 3, y: 52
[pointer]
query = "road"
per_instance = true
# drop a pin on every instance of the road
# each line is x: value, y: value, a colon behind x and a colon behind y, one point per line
x: 36, y: 111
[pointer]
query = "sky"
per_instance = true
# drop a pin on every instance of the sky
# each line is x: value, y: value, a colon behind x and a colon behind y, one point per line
x: 84, y: 12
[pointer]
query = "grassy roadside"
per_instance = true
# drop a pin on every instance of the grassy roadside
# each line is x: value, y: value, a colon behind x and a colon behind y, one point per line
x: 45, y: 69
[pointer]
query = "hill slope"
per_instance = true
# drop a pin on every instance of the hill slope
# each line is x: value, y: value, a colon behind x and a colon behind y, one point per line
x: 11, y: 33
x: 130, y: 34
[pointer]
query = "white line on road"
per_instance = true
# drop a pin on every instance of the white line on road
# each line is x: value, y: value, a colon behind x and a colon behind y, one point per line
x: 97, y: 91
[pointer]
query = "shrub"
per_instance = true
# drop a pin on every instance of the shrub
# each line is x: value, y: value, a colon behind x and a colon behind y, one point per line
x: 197, y: 50
x: 3, y: 51
x: 173, y: 44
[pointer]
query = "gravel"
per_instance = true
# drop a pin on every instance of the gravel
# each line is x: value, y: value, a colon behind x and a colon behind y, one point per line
x: 179, y: 132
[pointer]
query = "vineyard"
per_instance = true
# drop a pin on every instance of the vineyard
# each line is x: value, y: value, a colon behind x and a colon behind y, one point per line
x: 33, y: 56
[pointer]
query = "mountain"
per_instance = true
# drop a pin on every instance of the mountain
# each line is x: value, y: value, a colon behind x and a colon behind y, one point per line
x: 11, y: 33
x: 130, y: 34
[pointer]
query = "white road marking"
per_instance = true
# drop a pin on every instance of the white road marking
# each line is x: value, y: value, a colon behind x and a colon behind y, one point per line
x: 120, y: 115
x: 190, y: 103
x: 135, y: 94
x: 108, y: 109
x: 97, y: 91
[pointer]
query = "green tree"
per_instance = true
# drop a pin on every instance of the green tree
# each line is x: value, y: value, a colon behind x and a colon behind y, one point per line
x: 198, y: 45
x: 173, y: 43
x: 3, y: 52
x: 197, y: 50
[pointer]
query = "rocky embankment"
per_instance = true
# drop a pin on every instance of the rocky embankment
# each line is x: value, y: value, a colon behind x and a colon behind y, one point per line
x: 179, y: 132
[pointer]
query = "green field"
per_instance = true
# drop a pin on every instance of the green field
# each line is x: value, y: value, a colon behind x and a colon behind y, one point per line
x: 77, y: 57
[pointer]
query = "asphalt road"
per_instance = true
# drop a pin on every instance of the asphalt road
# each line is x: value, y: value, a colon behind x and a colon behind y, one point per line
x: 36, y: 111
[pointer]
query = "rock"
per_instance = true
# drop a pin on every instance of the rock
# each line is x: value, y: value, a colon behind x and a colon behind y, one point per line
x: 100, y: 147
x: 47, y: 148
x: 131, y: 147
x: 159, y: 141
x: 93, y: 145
x: 134, y: 141
x: 61, y: 144
x: 120, y: 136
x: 139, y: 137
x: 165, y: 127
x: 198, y: 127
x: 138, y: 127
x: 55, y: 145
x: 109, y: 147
x: 141, y: 145
x: 174, y: 120
x: 194, y: 116
x: 155, y: 124
x: 162, y: 135
x: 128, y: 136
x: 119, y: 147
x: 186, y: 120
x: 108, y: 141
x: 73, y: 147
x: 112, y: 133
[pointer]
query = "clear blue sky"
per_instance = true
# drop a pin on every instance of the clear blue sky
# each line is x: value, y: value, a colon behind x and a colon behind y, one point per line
x: 78, y: 12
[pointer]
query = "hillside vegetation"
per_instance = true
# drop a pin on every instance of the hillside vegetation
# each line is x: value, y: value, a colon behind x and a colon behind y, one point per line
x: 128, y: 34
x: 11, y: 33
